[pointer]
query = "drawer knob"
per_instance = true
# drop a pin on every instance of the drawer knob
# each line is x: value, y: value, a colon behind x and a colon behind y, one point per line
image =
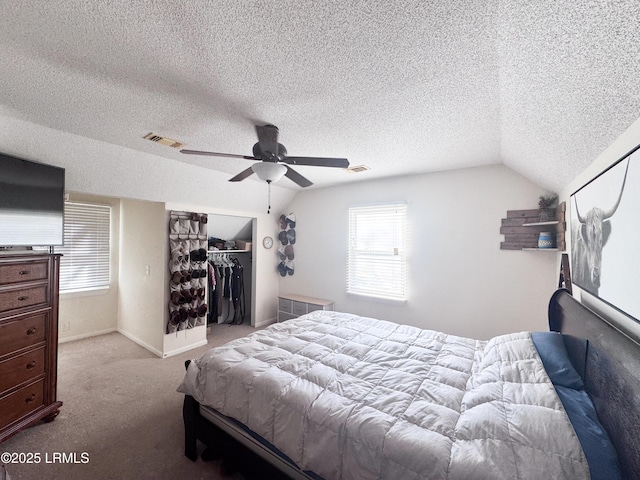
x: 23, y: 272
x: 30, y: 398
x: 31, y: 331
x: 31, y: 364
x: 23, y: 298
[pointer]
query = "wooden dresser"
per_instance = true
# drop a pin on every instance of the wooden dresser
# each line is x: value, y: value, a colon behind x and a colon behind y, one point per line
x: 28, y: 340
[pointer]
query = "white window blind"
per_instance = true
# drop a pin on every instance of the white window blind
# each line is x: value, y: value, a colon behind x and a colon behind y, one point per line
x: 377, y: 251
x: 85, y: 262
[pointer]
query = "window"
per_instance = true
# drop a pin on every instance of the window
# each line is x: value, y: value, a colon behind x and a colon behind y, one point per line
x: 86, y: 258
x: 377, y: 251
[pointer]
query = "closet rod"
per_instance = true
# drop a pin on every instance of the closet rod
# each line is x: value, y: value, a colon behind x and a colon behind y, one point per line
x: 228, y: 251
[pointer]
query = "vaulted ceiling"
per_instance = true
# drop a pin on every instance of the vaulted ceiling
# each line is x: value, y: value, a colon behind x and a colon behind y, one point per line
x: 543, y: 86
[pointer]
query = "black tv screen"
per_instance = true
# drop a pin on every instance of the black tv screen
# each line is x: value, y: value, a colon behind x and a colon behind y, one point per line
x: 31, y: 203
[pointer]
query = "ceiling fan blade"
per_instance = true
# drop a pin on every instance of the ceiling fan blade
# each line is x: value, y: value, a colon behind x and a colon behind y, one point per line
x: 242, y: 175
x: 268, y: 138
x: 297, y: 178
x: 317, y: 161
x: 217, y: 154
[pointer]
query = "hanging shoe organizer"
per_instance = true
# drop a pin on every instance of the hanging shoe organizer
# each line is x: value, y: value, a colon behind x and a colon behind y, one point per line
x: 187, y: 270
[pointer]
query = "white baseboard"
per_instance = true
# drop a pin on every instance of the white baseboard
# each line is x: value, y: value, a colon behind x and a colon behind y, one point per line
x: 177, y: 351
x: 86, y: 335
x: 266, y: 322
x: 135, y: 339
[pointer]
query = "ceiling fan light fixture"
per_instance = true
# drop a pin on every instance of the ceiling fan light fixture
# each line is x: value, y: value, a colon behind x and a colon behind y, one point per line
x: 269, y: 171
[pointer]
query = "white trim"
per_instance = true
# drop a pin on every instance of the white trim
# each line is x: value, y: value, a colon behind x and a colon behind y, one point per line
x: 135, y: 339
x: 186, y: 348
x: 373, y: 298
x: 89, y: 292
x: 265, y: 323
x: 85, y: 335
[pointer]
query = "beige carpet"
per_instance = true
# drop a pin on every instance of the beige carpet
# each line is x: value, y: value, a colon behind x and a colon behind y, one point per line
x: 121, y: 408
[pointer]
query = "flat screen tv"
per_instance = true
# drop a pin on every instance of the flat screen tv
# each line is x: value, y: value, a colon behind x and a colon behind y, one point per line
x: 31, y: 203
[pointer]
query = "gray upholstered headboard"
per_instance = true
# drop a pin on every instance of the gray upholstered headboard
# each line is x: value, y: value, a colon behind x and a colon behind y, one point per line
x: 609, y: 362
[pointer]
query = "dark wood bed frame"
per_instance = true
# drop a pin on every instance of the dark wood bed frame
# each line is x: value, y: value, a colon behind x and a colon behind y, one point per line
x: 607, y: 359
x: 609, y: 362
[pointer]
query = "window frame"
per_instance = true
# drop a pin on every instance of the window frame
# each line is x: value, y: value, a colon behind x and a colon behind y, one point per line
x: 387, y: 260
x: 88, y: 226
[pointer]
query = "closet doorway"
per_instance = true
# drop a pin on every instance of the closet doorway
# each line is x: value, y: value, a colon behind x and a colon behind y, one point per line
x: 230, y: 253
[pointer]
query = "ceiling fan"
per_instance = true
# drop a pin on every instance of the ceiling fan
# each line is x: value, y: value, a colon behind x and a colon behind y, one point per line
x: 273, y: 157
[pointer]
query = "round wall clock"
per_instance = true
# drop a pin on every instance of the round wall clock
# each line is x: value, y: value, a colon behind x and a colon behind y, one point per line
x: 267, y: 242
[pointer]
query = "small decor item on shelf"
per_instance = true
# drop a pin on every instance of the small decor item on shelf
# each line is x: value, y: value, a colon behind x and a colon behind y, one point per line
x: 547, y: 204
x: 546, y: 240
x: 244, y: 245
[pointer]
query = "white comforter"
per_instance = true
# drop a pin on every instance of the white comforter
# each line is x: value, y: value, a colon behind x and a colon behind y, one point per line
x: 350, y: 397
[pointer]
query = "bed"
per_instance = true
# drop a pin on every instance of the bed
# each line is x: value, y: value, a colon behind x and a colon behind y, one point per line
x: 332, y: 395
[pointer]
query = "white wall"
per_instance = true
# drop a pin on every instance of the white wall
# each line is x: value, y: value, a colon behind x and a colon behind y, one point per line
x: 142, y: 301
x: 459, y: 280
x: 622, y: 145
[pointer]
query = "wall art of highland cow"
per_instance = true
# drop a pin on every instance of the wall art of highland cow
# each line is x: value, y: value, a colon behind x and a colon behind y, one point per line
x: 605, y: 235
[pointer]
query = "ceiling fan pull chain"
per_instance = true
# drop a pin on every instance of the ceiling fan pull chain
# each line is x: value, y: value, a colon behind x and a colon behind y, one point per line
x: 269, y: 197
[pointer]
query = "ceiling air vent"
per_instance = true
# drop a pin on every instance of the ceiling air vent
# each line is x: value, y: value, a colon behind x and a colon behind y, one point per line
x: 163, y: 140
x: 358, y: 169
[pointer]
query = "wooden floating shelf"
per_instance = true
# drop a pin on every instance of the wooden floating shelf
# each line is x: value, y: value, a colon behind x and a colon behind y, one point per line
x: 535, y: 224
x: 521, y: 229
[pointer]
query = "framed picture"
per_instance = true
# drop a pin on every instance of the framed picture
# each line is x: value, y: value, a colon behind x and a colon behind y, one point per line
x: 605, y: 235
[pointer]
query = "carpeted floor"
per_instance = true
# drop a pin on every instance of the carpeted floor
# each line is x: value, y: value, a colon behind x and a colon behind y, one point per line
x: 121, y: 410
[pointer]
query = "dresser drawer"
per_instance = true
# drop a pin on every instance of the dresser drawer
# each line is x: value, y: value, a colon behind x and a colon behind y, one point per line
x: 20, y: 369
x: 23, y: 272
x: 24, y: 297
x: 21, y: 402
x: 299, y: 308
x: 18, y: 334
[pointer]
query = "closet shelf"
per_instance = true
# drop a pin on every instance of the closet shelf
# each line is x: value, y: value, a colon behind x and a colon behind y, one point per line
x: 228, y: 251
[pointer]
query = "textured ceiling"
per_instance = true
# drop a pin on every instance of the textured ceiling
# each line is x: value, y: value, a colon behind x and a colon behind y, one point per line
x: 542, y: 86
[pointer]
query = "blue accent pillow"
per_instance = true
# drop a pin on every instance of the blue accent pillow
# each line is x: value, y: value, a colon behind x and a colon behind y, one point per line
x: 555, y: 359
x: 596, y: 445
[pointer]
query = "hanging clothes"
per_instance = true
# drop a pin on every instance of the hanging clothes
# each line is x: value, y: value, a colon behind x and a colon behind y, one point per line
x: 237, y: 292
x: 215, y: 291
x: 226, y: 295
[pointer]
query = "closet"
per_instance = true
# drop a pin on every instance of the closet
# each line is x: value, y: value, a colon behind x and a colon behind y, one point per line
x: 231, y: 269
